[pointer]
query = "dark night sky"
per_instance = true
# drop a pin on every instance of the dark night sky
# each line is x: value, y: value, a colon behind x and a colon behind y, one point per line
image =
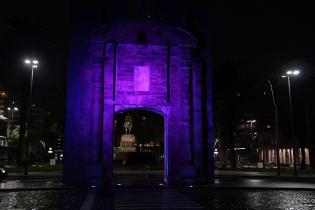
x: 264, y: 38
x: 255, y: 39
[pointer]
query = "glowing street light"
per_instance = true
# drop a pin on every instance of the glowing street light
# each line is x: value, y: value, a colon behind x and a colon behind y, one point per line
x: 34, y: 65
x: 12, y: 110
x: 251, y: 126
x: 289, y: 74
x: 296, y: 72
x: 251, y: 134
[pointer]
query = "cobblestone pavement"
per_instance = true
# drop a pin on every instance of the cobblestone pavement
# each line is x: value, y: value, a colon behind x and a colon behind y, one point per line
x: 158, y: 198
x: 152, y: 198
x: 30, y: 184
x: 43, y: 199
x: 253, y: 199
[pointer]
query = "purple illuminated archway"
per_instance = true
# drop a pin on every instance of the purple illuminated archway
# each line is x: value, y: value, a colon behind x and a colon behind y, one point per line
x: 116, y: 71
x: 159, y: 111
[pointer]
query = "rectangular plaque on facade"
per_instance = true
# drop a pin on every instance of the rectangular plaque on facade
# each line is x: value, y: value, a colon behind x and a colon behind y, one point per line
x: 141, y: 78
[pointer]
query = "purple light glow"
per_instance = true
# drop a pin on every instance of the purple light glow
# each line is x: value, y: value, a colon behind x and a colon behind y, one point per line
x: 155, y: 77
x: 141, y: 78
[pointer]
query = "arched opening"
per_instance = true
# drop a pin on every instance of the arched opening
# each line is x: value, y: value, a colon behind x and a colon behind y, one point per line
x: 139, y: 145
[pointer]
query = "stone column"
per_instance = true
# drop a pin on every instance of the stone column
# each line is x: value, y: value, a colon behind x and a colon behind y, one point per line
x: 108, y: 110
x: 200, y: 147
x: 94, y: 87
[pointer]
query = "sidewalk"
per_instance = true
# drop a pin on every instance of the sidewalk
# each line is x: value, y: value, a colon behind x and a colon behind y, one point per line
x: 35, y: 175
x: 222, y: 180
x: 256, y: 174
x: 217, y: 173
x: 33, y: 181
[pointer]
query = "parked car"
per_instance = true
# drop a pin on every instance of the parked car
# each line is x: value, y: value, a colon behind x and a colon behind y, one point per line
x: 3, y: 173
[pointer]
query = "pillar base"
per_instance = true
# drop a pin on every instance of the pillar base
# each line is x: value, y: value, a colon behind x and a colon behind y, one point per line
x: 95, y: 176
x: 187, y: 175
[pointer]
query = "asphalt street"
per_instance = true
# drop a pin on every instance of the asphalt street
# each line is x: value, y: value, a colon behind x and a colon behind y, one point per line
x: 147, y: 191
x: 157, y: 198
x: 226, y: 183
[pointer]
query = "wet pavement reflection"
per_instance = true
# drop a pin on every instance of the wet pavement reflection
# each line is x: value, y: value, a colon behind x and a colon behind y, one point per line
x: 43, y: 199
x: 159, y: 198
x: 254, y: 199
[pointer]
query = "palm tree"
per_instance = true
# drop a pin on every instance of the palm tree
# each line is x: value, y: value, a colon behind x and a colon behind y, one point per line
x: 14, y: 134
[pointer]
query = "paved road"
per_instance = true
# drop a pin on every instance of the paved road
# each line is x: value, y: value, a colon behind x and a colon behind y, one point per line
x: 158, y: 198
x: 262, y: 183
x: 31, y: 184
x: 266, y: 182
x: 156, y: 181
x: 153, y: 199
x: 41, y: 199
x: 220, y: 173
x: 230, y: 190
x: 140, y: 198
x: 253, y: 199
x: 158, y: 175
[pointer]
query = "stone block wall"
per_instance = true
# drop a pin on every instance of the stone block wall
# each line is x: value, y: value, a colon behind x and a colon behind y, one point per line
x: 121, y: 73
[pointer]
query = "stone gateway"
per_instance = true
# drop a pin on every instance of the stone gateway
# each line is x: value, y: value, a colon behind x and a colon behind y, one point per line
x: 137, y: 65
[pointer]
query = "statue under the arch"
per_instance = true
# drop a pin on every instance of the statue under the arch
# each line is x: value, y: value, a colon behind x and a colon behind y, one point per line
x: 136, y: 64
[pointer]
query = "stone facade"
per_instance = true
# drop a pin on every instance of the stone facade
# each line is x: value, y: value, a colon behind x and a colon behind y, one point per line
x: 137, y: 65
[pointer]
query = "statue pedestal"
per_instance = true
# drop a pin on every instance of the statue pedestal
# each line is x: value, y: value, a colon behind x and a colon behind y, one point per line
x: 128, y: 143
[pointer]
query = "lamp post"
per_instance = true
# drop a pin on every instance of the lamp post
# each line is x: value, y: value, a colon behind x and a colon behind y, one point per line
x: 12, y: 110
x: 11, y: 117
x: 251, y: 126
x: 288, y: 75
x: 276, y: 129
x: 251, y: 134
x: 34, y: 65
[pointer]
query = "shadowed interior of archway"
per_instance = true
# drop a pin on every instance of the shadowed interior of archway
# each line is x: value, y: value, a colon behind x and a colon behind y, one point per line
x: 138, y: 142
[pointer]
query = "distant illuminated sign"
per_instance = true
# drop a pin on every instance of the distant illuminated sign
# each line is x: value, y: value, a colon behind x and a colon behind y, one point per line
x: 52, y: 162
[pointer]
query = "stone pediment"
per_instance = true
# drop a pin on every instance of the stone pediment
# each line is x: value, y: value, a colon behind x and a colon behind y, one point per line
x: 149, y: 32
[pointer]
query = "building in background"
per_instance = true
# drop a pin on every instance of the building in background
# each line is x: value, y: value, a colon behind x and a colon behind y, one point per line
x: 3, y: 132
x: 3, y: 102
x: 3, y: 128
x: 4, y: 146
x: 250, y: 131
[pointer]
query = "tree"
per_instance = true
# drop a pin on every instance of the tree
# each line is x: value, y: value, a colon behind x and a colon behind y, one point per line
x: 14, y: 134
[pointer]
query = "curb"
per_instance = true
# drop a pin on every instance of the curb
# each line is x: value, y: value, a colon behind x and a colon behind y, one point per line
x: 287, y: 178
x: 32, y: 177
x: 253, y: 188
x: 41, y: 189
x: 196, y: 187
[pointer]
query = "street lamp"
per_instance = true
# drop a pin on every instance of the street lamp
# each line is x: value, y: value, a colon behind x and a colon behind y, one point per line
x: 12, y: 110
x: 276, y: 129
x: 251, y: 126
x: 289, y: 74
x: 251, y: 134
x: 34, y: 65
